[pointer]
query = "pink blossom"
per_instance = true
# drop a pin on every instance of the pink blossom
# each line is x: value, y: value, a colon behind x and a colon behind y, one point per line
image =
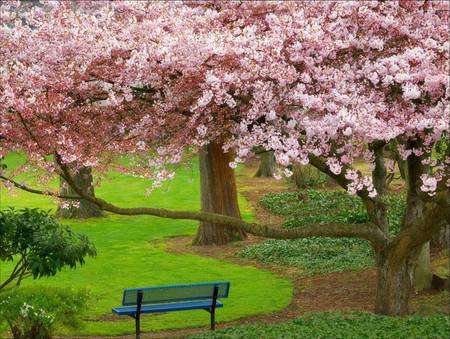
x: 429, y: 184
x: 334, y: 165
x: 411, y: 92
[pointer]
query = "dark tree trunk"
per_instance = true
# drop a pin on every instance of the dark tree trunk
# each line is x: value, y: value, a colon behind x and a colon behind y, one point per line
x: 218, y: 195
x: 394, y: 286
x: 266, y: 165
x: 83, y: 209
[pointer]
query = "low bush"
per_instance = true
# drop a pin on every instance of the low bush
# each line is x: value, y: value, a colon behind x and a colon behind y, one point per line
x: 340, y: 325
x: 321, y: 255
x: 33, y: 313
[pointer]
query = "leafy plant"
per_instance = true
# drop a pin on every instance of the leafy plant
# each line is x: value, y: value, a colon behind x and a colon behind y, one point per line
x: 33, y: 313
x: 340, y: 325
x: 321, y: 255
x: 38, y: 244
x: 314, y: 206
x: 314, y: 255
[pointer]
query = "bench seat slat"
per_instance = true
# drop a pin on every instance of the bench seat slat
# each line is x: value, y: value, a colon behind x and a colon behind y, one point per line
x: 185, y: 306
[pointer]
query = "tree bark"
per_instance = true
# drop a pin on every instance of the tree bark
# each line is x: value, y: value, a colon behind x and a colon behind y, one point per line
x: 218, y: 195
x: 394, y: 285
x: 82, y: 208
x: 266, y: 165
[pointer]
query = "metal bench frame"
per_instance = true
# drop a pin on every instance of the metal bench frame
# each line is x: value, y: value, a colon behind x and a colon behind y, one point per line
x: 211, y: 310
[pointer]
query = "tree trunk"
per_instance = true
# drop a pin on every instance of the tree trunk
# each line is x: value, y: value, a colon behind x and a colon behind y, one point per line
x: 394, y: 287
x: 218, y: 195
x: 266, y: 165
x: 82, y: 209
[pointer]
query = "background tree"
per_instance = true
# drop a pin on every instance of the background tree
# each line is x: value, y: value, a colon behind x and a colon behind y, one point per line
x: 267, y: 165
x: 321, y: 83
x: 78, y: 209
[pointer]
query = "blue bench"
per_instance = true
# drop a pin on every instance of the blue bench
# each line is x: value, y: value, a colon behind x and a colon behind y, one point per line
x: 202, y: 296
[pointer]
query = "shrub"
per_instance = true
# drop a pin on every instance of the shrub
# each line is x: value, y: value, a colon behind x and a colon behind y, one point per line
x: 39, y: 245
x: 33, y: 313
x: 339, y: 325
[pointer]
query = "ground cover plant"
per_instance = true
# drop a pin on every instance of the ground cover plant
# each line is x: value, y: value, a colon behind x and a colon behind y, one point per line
x: 340, y: 326
x: 321, y: 254
x: 131, y: 253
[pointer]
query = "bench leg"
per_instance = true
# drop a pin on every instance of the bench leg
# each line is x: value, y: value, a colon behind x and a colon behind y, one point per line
x: 213, y: 318
x: 138, y: 326
x: 138, y: 314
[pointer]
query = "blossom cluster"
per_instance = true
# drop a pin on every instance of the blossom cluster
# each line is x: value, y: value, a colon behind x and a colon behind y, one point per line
x: 88, y: 80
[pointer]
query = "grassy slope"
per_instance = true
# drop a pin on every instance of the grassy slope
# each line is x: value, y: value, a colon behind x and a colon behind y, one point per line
x: 130, y: 255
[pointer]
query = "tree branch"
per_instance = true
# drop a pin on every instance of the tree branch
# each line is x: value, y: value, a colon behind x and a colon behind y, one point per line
x: 367, y: 231
x: 376, y: 209
x: 340, y: 178
x: 36, y: 191
x: 421, y: 229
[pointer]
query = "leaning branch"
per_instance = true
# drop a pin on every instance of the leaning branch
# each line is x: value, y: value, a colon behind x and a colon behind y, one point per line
x: 340, y: 178
x: 36, y: 191
x: 376, y: 208
x: 367, y: 231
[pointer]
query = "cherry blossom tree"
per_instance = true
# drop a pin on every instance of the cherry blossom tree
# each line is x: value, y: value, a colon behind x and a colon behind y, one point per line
x: 319, y: 83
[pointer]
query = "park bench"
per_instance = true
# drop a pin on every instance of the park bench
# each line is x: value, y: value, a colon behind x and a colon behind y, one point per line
x: 201, y: 296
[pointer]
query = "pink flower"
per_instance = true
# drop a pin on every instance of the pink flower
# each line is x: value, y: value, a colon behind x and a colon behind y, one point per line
x: 429, y: 184
x: 410, y: 92
x: 334, y: 165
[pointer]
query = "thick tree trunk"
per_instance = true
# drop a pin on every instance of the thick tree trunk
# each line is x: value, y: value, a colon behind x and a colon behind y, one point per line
x: 266, y: 165
x: 218, y: 195
x: 394, y: 286
x: 82, y: 209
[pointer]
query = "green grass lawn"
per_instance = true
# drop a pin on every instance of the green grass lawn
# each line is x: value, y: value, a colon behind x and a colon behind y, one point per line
x: 131, y: 254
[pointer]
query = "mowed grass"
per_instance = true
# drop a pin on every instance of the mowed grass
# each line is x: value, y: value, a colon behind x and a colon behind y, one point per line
x: 132, y: 253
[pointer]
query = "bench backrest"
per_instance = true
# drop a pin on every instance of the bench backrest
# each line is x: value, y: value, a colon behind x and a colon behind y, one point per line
x: 174, y: 293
